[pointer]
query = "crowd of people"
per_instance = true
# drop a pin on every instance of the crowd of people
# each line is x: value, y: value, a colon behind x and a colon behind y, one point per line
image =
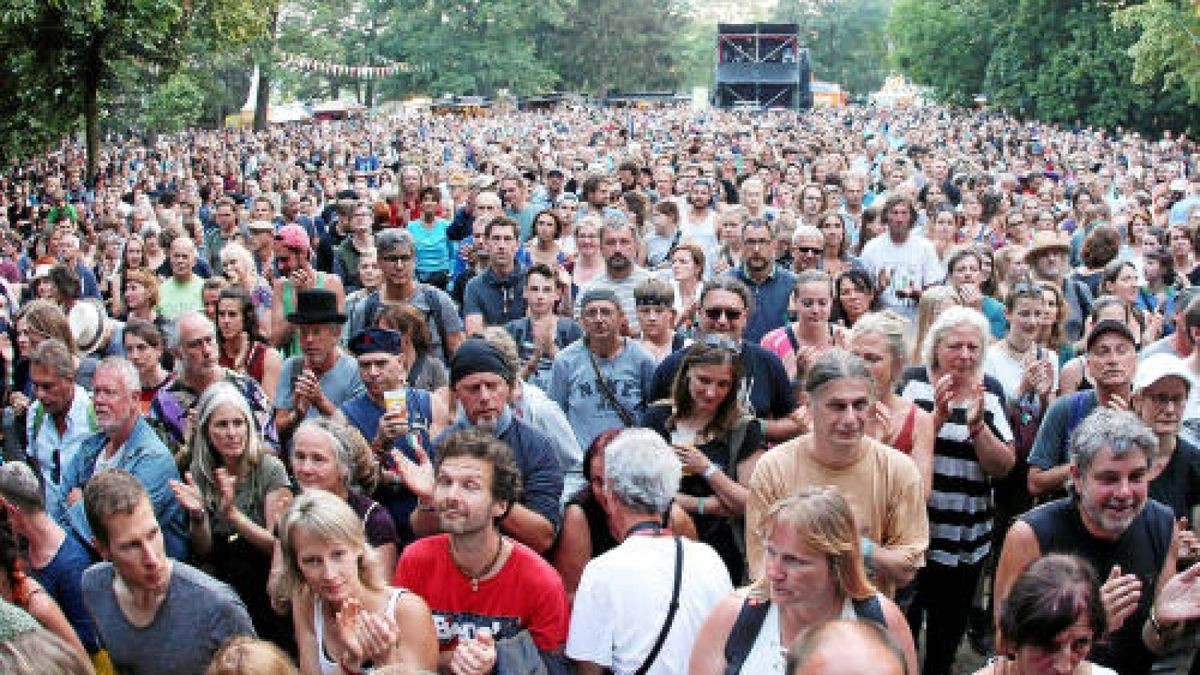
x: 640, y: 391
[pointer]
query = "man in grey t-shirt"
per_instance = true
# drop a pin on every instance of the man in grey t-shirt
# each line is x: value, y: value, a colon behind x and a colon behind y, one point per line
x: 154, y: 615
x: 601, y: 381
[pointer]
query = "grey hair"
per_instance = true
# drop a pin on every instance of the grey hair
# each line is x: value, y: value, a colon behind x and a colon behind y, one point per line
x: 341, y: 449
x: 123, y: 368
x: 174, y: 334
x: 19, y: 485
x: 802, y: 231
x: 731, y: 285
x: 641, y: 471
x: 54, y: 354
x: 888, y: 325
x: 836, y: 364
x: 1118, y: 431
x: 204, y: 463
x: 955, y: 317
x: 393, y: 238
x: 813, y: 277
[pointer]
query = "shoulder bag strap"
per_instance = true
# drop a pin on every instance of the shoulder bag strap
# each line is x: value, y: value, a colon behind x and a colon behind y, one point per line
x: 743, y: 634
x: 607, y: 392
x: 662, y: 634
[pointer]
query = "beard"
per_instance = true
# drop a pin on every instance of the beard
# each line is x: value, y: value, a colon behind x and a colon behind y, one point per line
x: 1102, y: 517
x: 618, y: 261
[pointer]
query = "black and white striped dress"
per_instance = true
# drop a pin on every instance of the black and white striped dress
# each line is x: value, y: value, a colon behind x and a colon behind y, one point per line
x: 960, y: 508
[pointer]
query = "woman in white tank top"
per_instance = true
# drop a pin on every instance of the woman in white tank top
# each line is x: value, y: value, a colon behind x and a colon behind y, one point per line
x: 813, y: 573
x: 347, y: 619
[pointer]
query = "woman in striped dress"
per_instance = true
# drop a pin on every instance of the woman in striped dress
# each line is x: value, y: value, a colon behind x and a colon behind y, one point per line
x: 973, y: 446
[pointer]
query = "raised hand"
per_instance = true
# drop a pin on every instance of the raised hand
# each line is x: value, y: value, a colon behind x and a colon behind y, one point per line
x: 474, y: 657
x: 227, y: 489
x: 417, y: 476
x: 1120, y: 595
x: 188, y: 495
x: 1180, y: 597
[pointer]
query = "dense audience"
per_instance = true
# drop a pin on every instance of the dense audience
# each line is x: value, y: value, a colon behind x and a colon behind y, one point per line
x: 587, y: 390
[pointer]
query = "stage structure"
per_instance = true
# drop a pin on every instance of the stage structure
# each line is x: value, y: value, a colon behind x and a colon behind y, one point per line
x: 761, y: 66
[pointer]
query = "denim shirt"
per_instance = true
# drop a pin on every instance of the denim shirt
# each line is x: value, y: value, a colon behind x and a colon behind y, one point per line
x: 146, y: 457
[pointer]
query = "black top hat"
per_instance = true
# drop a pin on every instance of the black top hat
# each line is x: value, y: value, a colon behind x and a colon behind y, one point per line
x: 316, y: 305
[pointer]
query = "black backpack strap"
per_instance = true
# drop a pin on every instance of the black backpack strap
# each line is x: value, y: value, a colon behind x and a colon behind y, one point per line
x: 870, y: 609
x: 791, y: 336
x: 743, y: 634
x: 662, y: 634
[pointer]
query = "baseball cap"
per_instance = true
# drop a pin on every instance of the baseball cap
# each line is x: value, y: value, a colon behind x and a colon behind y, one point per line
x: 293, y: 237
x: 1158, y: 366
x: 1109, y: 326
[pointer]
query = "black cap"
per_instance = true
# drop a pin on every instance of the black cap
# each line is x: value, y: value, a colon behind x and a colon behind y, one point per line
x: 1109, y: 326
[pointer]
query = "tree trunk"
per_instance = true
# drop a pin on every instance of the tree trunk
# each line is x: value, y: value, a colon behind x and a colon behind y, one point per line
x: 262, y: 101
x: 91, y: 116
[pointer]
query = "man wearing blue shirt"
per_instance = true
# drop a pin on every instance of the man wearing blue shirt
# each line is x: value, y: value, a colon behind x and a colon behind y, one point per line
x: 771, y: 285
x: 494, y: 297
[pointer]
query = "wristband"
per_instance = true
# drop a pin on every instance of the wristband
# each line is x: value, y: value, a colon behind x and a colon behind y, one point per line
x: 711, y: 471
x: 868, y: 555
x: 975, y: 430
x: 1159, y: 628
x: 700, y: 505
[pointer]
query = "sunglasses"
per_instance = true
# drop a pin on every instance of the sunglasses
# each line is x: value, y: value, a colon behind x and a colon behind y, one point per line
x: 396, y: 258
x: 809, y: 250
x: 731, y: 314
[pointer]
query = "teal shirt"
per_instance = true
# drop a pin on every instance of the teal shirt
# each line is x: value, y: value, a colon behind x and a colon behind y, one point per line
x: 432, y: 246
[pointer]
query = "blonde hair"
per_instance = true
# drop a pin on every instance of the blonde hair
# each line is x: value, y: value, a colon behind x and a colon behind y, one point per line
x: 244, y: 655
x: 326, y: 516
x: 821, y: 520
x: 891, y: 327
x: 233, y: 251
x: 41, y: 652
x: 933, y: 302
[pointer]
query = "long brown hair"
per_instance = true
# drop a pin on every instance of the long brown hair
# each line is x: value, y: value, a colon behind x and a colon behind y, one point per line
x: 682, y: 404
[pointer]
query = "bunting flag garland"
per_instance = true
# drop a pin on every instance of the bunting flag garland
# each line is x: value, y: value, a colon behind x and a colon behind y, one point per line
x: 304, y: 63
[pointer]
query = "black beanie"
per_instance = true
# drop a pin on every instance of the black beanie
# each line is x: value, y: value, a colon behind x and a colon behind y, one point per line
x: 476, y: 355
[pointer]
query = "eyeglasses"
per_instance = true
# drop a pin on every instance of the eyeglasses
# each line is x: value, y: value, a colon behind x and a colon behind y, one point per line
x: 1163, y: 400
x: 397, y: 258
x: 756, y: 243
x: 731, y: 313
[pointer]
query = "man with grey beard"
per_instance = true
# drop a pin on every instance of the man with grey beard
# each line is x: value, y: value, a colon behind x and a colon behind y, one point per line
x: 482, y: 384
x: 618, y: 244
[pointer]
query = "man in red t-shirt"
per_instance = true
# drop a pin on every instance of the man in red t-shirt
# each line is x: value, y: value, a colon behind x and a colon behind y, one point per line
x: 482, y: 587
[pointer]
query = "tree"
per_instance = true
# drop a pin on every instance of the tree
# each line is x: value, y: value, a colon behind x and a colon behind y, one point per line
x: 1167, y: 48
x: 942, y: 44
x: 845, y: 38
x: 70, y: 52
x: 176, y: 105
x: 627, y: 45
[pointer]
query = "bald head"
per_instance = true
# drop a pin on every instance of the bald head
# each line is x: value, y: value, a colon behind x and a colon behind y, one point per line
x: 845, y: 647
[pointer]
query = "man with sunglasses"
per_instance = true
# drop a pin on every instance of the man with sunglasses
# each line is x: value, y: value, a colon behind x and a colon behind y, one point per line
x: 58, y: 421
x: 772, y: 286
x: 400, y: 286
x: 808, y: 243
x: 725, y: 305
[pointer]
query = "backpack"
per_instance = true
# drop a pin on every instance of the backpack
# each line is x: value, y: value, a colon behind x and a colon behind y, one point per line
x: 754, y: 613
x: 369, y: 308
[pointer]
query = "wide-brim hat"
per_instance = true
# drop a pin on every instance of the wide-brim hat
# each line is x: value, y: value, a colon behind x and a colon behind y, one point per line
x: 1044, y: 241
x: 316, y: 305
x: 89, y: 325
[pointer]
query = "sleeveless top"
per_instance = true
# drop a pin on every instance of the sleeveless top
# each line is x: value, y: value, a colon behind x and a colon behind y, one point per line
x: 256, y: 359
x: 766, y: 655
x: 288, y: 298
x: 331, y: 667
x: 1140, y: 550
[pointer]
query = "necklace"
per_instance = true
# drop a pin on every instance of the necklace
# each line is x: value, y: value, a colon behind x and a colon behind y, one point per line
x: 1020, y: 355
x: 482, y: 572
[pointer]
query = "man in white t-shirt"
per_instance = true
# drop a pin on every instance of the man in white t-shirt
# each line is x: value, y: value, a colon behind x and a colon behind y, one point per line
x: 621, y: 605
x: 904, y: 264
